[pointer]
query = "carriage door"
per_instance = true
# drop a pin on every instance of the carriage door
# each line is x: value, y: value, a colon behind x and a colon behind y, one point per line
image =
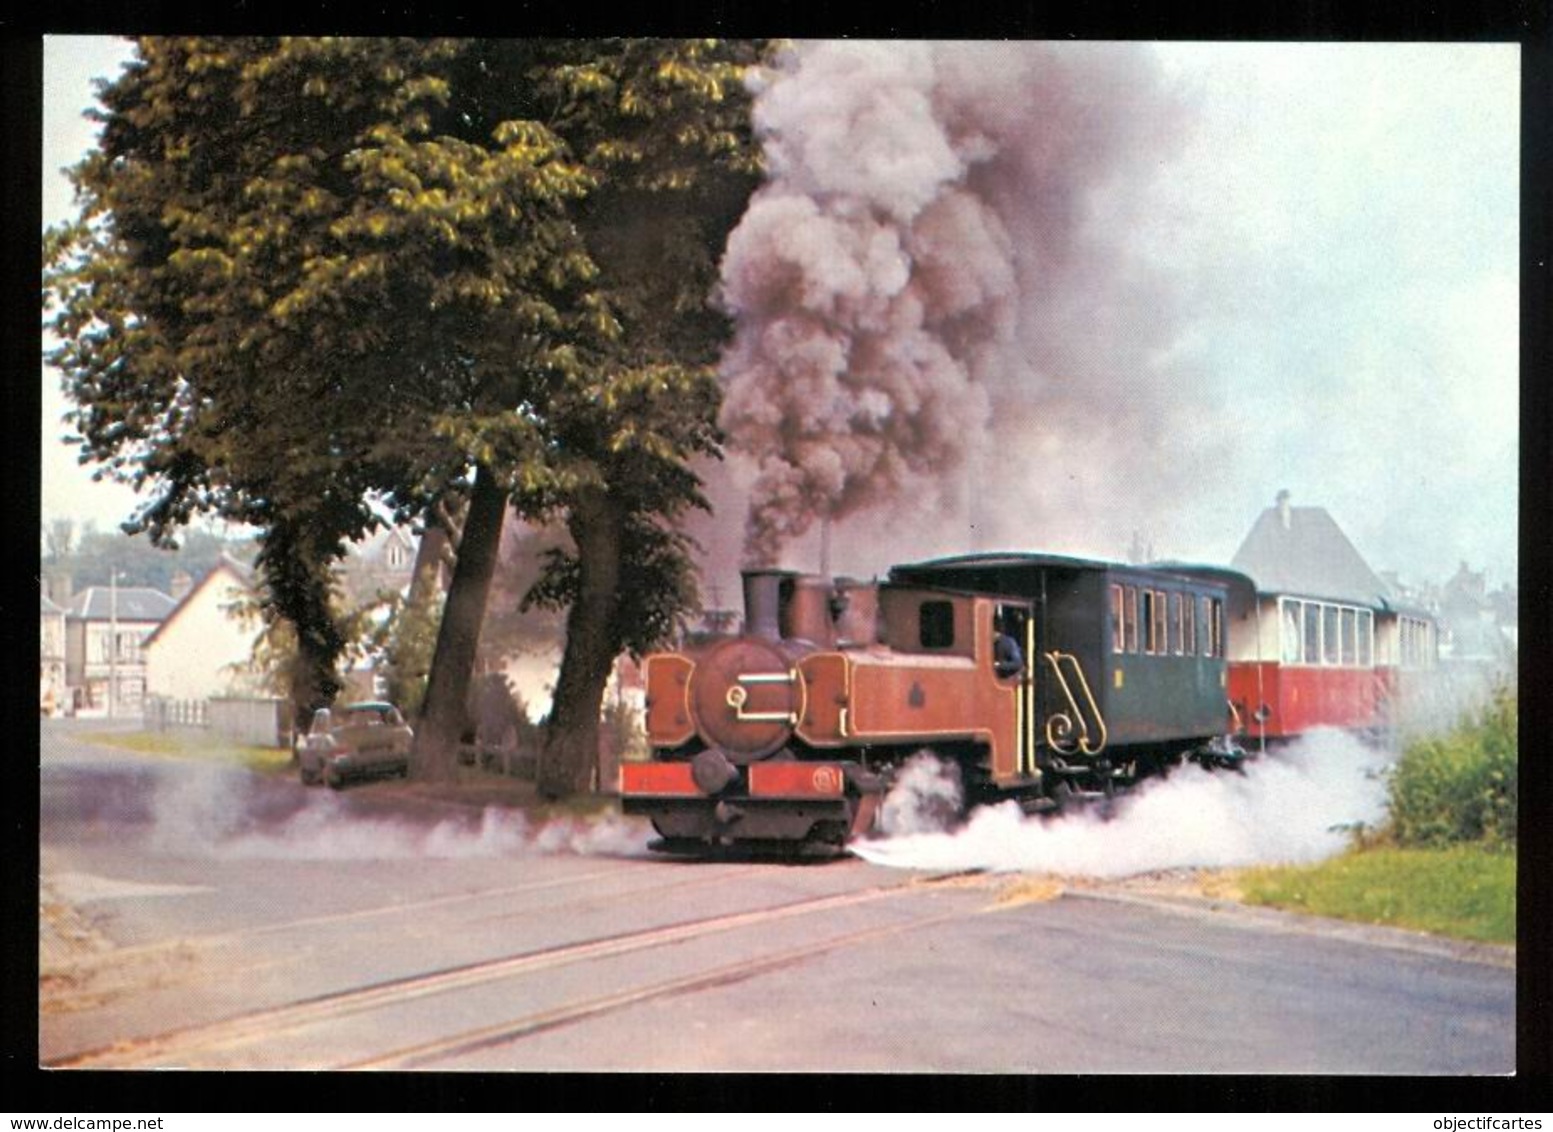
x: 1014, y: 654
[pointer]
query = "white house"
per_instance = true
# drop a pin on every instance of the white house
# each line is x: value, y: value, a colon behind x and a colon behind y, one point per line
x: 51, y: 656
x: 202, y: 647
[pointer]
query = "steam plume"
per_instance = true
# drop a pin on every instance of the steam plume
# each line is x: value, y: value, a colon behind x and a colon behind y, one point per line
x: 1295, y: 807
x: 899, y: 278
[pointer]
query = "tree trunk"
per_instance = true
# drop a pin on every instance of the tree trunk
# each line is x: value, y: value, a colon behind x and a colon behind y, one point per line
x: 569, y: 757
x: 431, y: 558
x: 444, y: 715
x: 296, y: 573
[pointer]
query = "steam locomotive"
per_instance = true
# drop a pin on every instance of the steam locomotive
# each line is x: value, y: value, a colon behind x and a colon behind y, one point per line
x: 1039, y: 678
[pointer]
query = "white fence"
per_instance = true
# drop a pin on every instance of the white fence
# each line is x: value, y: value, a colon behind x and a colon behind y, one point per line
x: 258, y: 721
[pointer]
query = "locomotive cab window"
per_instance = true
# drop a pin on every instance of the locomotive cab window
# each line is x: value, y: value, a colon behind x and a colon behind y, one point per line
x: 936, y: 625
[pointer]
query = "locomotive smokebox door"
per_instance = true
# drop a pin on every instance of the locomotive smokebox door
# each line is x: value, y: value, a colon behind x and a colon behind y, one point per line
x: 746, y: 697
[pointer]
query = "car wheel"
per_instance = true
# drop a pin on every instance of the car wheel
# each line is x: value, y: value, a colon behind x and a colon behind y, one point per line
x: 333, y: 778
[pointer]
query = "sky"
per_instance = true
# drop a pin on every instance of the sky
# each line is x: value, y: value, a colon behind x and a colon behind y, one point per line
x: 1285, y: 266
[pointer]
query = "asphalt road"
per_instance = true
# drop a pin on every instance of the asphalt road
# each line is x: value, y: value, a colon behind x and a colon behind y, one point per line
x: 201, y: 917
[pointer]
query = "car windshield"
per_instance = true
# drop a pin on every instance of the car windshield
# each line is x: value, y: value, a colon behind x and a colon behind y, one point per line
x: 365, y: 717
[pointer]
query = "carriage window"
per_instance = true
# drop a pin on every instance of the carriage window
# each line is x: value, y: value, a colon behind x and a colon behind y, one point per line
x: 937, y: 625
x: 1161, y: 619
x: 1366, y: 638
x: 1175, y: 625
x: 1189, y: 623
x: 1118, y: 634
x: 1350, y: 636
x: 1312, y: 613
x: 1329, y: 649
x: 1292, y: 653
x: 1216, y: 627
x: 1132, y: 618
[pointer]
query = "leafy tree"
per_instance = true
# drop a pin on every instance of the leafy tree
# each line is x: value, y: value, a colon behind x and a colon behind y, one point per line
x: 311, y: 269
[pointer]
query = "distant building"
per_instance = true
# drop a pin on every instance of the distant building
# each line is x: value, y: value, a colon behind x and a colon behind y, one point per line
x: 105, y: 627
x: 203, y: 646
x: 1480, y: 628
x: 383, y: 562
x: 1302, y: 551
x: 52, y: 694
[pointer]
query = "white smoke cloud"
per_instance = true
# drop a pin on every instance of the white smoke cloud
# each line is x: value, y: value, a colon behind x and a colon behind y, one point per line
x: 207, y: 812
x: 1297, y: 805
x: 924, y: 798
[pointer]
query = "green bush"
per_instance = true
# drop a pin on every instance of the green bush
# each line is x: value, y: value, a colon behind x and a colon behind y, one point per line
x: 1460, y: 786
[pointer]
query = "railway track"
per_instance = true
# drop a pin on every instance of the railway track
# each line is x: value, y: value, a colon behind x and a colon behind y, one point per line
x: 222, y: 1042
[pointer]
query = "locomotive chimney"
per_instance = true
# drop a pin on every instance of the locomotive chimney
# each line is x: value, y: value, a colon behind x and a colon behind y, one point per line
x: 763, y: 594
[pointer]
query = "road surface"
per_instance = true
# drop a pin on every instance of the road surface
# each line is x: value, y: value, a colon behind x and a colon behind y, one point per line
x: 205, y: 917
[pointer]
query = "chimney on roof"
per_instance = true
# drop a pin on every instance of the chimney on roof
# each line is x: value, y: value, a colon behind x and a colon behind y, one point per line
x: 58, y: 588
x: 1283, y: 507
x: 180, y: 584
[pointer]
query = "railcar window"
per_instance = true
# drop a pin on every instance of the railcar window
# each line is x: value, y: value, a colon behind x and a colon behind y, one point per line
x: 1132, y: 618
x: 1189, y: 623
x: 1350, y: 636
x: 937, y: 625
x: 1216, y: 627
x: 1118, y: 631
x: 1366, y: 638
x: 1161, y: 620
x: 1312, y: 614
x: 1329, y: 643
x: 1176, y: 646
x: 1292, y: 652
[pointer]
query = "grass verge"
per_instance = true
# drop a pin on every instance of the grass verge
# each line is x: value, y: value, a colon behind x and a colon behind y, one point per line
x: 195, y: 745
x: 1464, y: 891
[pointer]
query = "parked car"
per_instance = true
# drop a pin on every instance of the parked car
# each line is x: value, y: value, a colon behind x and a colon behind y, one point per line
x: 355, y: 741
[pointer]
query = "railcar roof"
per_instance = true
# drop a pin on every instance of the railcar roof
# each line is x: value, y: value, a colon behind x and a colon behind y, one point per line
x: 999, y: 562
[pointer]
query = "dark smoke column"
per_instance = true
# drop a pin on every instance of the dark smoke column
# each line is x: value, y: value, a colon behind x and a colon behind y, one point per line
x: 920, y: 200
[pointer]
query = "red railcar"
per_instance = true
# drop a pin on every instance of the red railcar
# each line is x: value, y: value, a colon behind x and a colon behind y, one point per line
x: 1300, y: 662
